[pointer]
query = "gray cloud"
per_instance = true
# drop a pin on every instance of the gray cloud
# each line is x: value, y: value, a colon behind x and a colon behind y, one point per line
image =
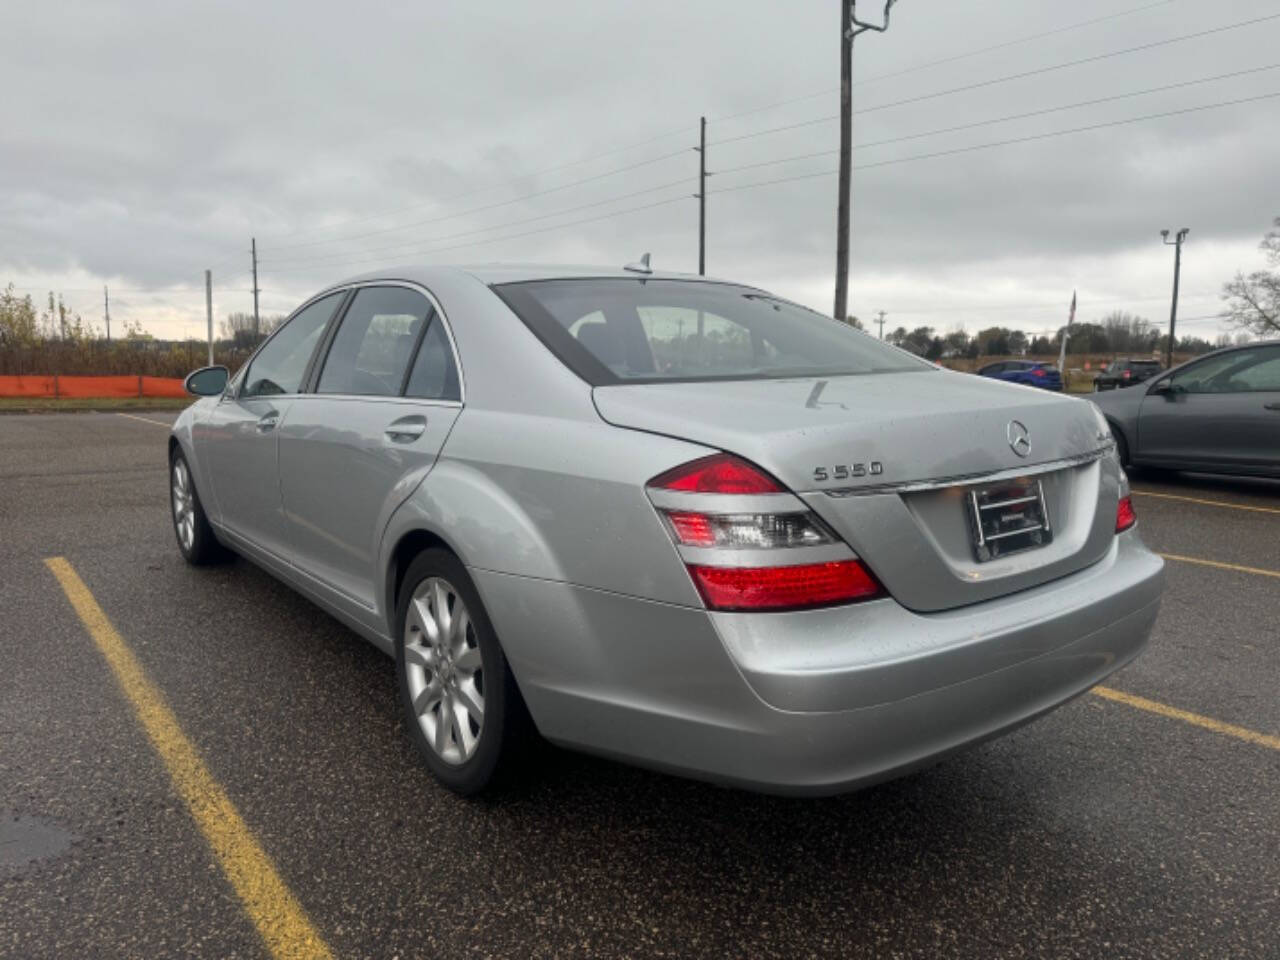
x: 149, y: 141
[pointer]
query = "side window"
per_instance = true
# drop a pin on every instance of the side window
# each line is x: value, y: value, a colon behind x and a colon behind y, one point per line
x: 280, y: 365
x: 434, y: 376
x: 371, y: 352
x: 1263, y: 374
x: 1235, y: 372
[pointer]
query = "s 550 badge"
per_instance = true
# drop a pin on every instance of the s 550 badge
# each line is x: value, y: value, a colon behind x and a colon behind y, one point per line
x: 848, y: 471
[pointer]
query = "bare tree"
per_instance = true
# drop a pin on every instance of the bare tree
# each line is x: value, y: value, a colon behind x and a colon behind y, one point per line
x: 1253, y: 300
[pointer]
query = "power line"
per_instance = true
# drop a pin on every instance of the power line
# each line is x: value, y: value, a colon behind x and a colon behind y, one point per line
x: 809, y: 176
x: 527, y: 233
x: 951, y: 59
x: 1005, y: 119
x: 401, y: 246
x: 479, y: 190
x: 409, y: 246
x: 998, y: 80
x: 491, y: 206
x: 667, y: 156
x: 1002, y: 143
x: 671, y: 133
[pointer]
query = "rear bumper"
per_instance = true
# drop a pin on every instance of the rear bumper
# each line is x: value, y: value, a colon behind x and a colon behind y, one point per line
x: 828, y: 700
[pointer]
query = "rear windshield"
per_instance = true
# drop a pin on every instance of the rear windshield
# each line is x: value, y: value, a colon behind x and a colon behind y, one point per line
x: 643, y: 331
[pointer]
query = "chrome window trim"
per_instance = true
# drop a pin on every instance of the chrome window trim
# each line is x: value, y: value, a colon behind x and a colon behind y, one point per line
x: 377, y: 398
x: 959, y: 480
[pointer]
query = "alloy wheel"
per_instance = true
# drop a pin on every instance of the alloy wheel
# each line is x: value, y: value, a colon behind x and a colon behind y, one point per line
x: 184, y: 516
x: 445, y: 674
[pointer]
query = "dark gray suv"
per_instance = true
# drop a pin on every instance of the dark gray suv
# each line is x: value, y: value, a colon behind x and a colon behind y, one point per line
x: 1125, y: 373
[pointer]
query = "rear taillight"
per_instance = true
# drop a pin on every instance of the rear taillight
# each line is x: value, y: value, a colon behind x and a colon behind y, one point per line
x: 743, y: 537
x: 1125, y: 517
x: 775, y: 588
x: 718, y: 473
x: 1037, y: 372
x: 1125, y: 374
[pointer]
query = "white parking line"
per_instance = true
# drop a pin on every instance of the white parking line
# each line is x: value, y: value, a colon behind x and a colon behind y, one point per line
x: 159, y: 423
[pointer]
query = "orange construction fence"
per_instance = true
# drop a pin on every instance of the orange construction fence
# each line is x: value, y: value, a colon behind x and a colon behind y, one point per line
x: 57, y: 386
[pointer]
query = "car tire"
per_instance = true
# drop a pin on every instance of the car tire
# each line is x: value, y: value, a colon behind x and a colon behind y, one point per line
x: 461, y: 704
x: 196, y: 540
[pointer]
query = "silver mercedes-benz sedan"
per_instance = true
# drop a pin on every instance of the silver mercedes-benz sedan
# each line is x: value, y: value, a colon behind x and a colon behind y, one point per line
x: 667, y: 519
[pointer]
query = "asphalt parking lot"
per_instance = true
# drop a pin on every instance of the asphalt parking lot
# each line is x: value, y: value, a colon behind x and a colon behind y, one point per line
x: 1139, y: 823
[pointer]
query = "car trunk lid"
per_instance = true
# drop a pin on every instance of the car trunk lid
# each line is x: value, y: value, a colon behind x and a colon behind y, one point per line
x: 889, y: 460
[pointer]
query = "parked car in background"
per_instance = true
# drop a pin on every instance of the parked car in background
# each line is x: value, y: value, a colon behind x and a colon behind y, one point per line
x: 1032, y: 373
x: 1125, y: 373
x: 1219, y: 413
x: 669, y: 519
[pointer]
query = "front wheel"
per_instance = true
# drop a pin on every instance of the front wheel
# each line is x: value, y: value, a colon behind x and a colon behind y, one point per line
x: 461, y: 703
x: 196, y: 538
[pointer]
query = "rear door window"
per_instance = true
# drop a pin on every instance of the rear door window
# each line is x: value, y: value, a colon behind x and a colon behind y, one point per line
x: 1225, y: 373
x: 1262, y: 373
x: 371, y: 352
x: 434, y: 375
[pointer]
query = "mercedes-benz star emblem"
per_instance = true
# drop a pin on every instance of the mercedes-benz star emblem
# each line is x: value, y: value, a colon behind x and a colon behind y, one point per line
x: 1019, y: 438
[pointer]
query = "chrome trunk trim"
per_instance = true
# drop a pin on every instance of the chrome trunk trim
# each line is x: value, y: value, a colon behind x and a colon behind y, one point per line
x: 915, y: 486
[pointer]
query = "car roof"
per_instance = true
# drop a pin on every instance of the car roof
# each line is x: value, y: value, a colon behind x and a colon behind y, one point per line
x: 496, y: 273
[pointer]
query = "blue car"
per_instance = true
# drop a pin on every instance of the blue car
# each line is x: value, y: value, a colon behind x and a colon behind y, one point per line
x: 1029, y: 372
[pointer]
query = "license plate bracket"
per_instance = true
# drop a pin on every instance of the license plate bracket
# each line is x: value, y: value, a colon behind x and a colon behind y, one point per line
x: 1008, y: 517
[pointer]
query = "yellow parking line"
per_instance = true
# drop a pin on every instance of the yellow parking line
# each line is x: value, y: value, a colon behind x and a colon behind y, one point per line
x: 1257, y: 571
x: 158, y: 423
x: 1207, y: 503
x: 271, y: 906
x: 1186, y: 716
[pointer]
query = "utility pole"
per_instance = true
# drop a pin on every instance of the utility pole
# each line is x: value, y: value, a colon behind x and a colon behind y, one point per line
x: 881, y: 322
x: 1066, y: 336
x: 106, y: 310
x: 253, y: 249
x: 702, y: 196
x: 208, y: 309
x: 850, y: 27
x: 1176, y: 243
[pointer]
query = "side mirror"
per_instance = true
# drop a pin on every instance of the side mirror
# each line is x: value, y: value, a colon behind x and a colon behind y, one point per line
x: 1164, y: 388
x: 207, y: 381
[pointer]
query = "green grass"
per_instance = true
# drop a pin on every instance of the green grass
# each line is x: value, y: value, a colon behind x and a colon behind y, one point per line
x: 82, y: 404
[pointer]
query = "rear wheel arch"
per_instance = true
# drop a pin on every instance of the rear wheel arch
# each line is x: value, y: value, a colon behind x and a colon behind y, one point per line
x: 411, y: 544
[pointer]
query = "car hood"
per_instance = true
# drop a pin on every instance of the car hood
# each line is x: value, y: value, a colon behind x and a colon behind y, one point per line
x: 918, y: 426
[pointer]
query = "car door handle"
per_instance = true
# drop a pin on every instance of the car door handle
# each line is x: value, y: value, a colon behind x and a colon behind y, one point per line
x: 268, y: 421
x: 407, y: 429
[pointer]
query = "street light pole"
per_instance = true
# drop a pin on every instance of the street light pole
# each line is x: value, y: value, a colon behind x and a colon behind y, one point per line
x: 850, y: 27
x: 1176, y: 243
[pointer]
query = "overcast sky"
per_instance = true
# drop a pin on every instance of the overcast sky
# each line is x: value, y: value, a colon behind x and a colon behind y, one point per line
x: 144, y: 142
